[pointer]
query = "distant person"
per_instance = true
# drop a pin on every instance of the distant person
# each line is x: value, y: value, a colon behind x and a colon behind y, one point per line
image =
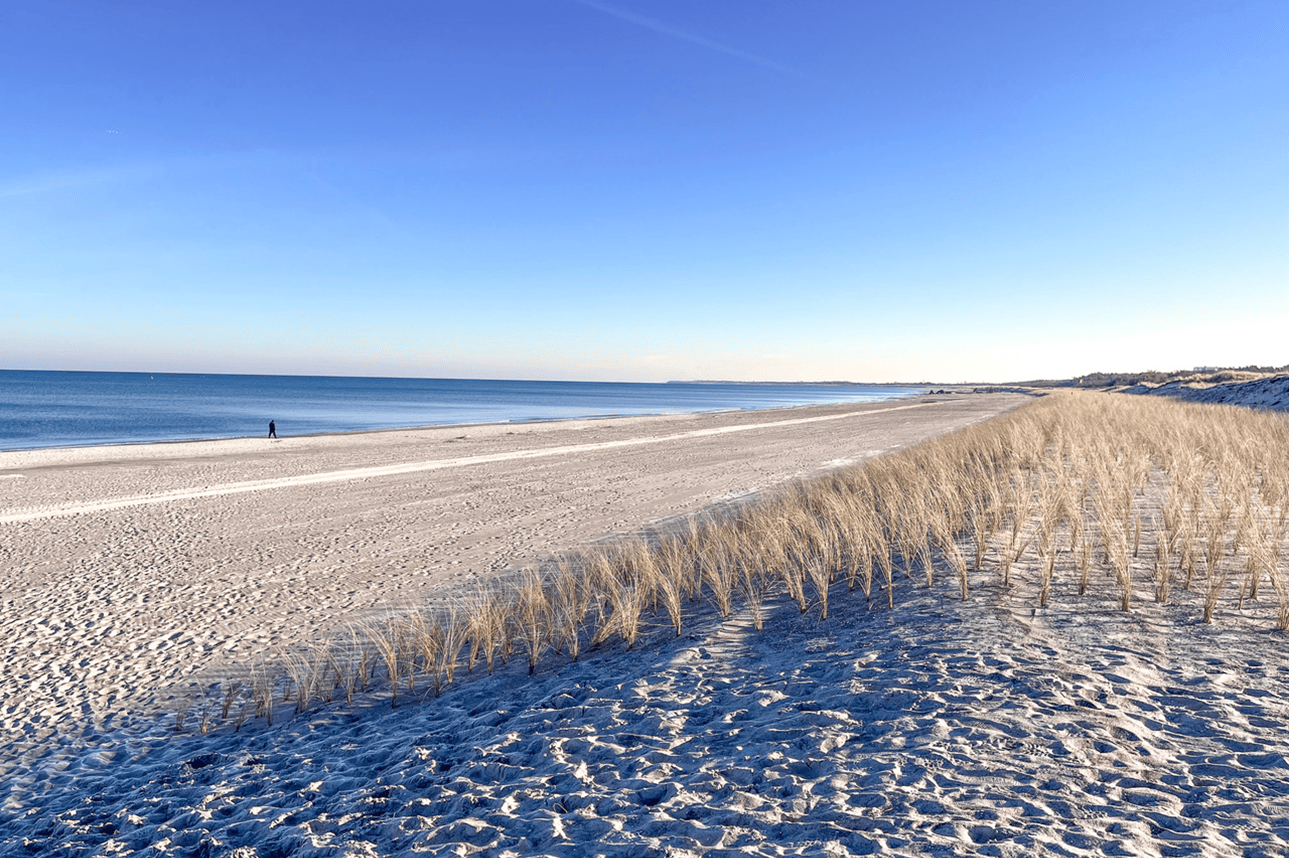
x: 272, y: 429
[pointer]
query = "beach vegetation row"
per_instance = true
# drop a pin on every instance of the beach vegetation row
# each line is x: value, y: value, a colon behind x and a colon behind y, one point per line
x: 1102, y: 494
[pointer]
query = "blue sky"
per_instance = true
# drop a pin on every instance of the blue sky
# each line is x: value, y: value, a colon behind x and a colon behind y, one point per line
x: 644, y: 191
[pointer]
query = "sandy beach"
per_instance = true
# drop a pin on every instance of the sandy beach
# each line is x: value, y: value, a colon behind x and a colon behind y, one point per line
x: 936, y: 727
x: 133, y: 573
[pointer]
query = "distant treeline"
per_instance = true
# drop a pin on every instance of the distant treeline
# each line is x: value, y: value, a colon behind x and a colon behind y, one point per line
x: 1205, y: 375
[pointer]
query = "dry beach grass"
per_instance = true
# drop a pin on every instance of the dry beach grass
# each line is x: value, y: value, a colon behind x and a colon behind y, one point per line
x: 1148, y: 499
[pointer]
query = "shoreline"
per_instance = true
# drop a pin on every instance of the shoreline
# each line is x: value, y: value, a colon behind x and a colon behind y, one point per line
x: 113, y: 409
x: 519, y: 421
x: 405, y: 468
x: 433, y: 427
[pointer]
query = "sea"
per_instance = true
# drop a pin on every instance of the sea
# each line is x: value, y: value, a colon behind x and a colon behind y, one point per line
x: 41, y: 409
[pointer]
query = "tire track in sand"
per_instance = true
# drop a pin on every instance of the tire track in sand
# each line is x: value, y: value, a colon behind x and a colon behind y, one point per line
x: 412, y: 467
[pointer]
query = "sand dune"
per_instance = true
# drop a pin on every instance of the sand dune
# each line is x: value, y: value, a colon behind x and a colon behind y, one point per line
x: 1270, y: 393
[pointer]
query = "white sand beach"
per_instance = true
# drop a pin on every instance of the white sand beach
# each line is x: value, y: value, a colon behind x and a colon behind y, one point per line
x: 939, y: 727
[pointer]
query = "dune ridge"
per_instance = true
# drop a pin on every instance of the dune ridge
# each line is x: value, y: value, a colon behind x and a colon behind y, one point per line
x: 1268, y: 393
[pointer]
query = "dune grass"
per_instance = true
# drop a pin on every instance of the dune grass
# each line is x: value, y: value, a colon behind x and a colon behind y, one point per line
x: 1138, y: 496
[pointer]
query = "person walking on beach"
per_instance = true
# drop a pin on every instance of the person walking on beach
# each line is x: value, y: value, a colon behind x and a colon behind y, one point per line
x: 272, y: 429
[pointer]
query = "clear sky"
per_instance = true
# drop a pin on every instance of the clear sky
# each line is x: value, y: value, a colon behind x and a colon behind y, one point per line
x: 642, y: 191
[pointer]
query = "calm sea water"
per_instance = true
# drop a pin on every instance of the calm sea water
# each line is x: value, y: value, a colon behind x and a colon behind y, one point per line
x: 64, y: 409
